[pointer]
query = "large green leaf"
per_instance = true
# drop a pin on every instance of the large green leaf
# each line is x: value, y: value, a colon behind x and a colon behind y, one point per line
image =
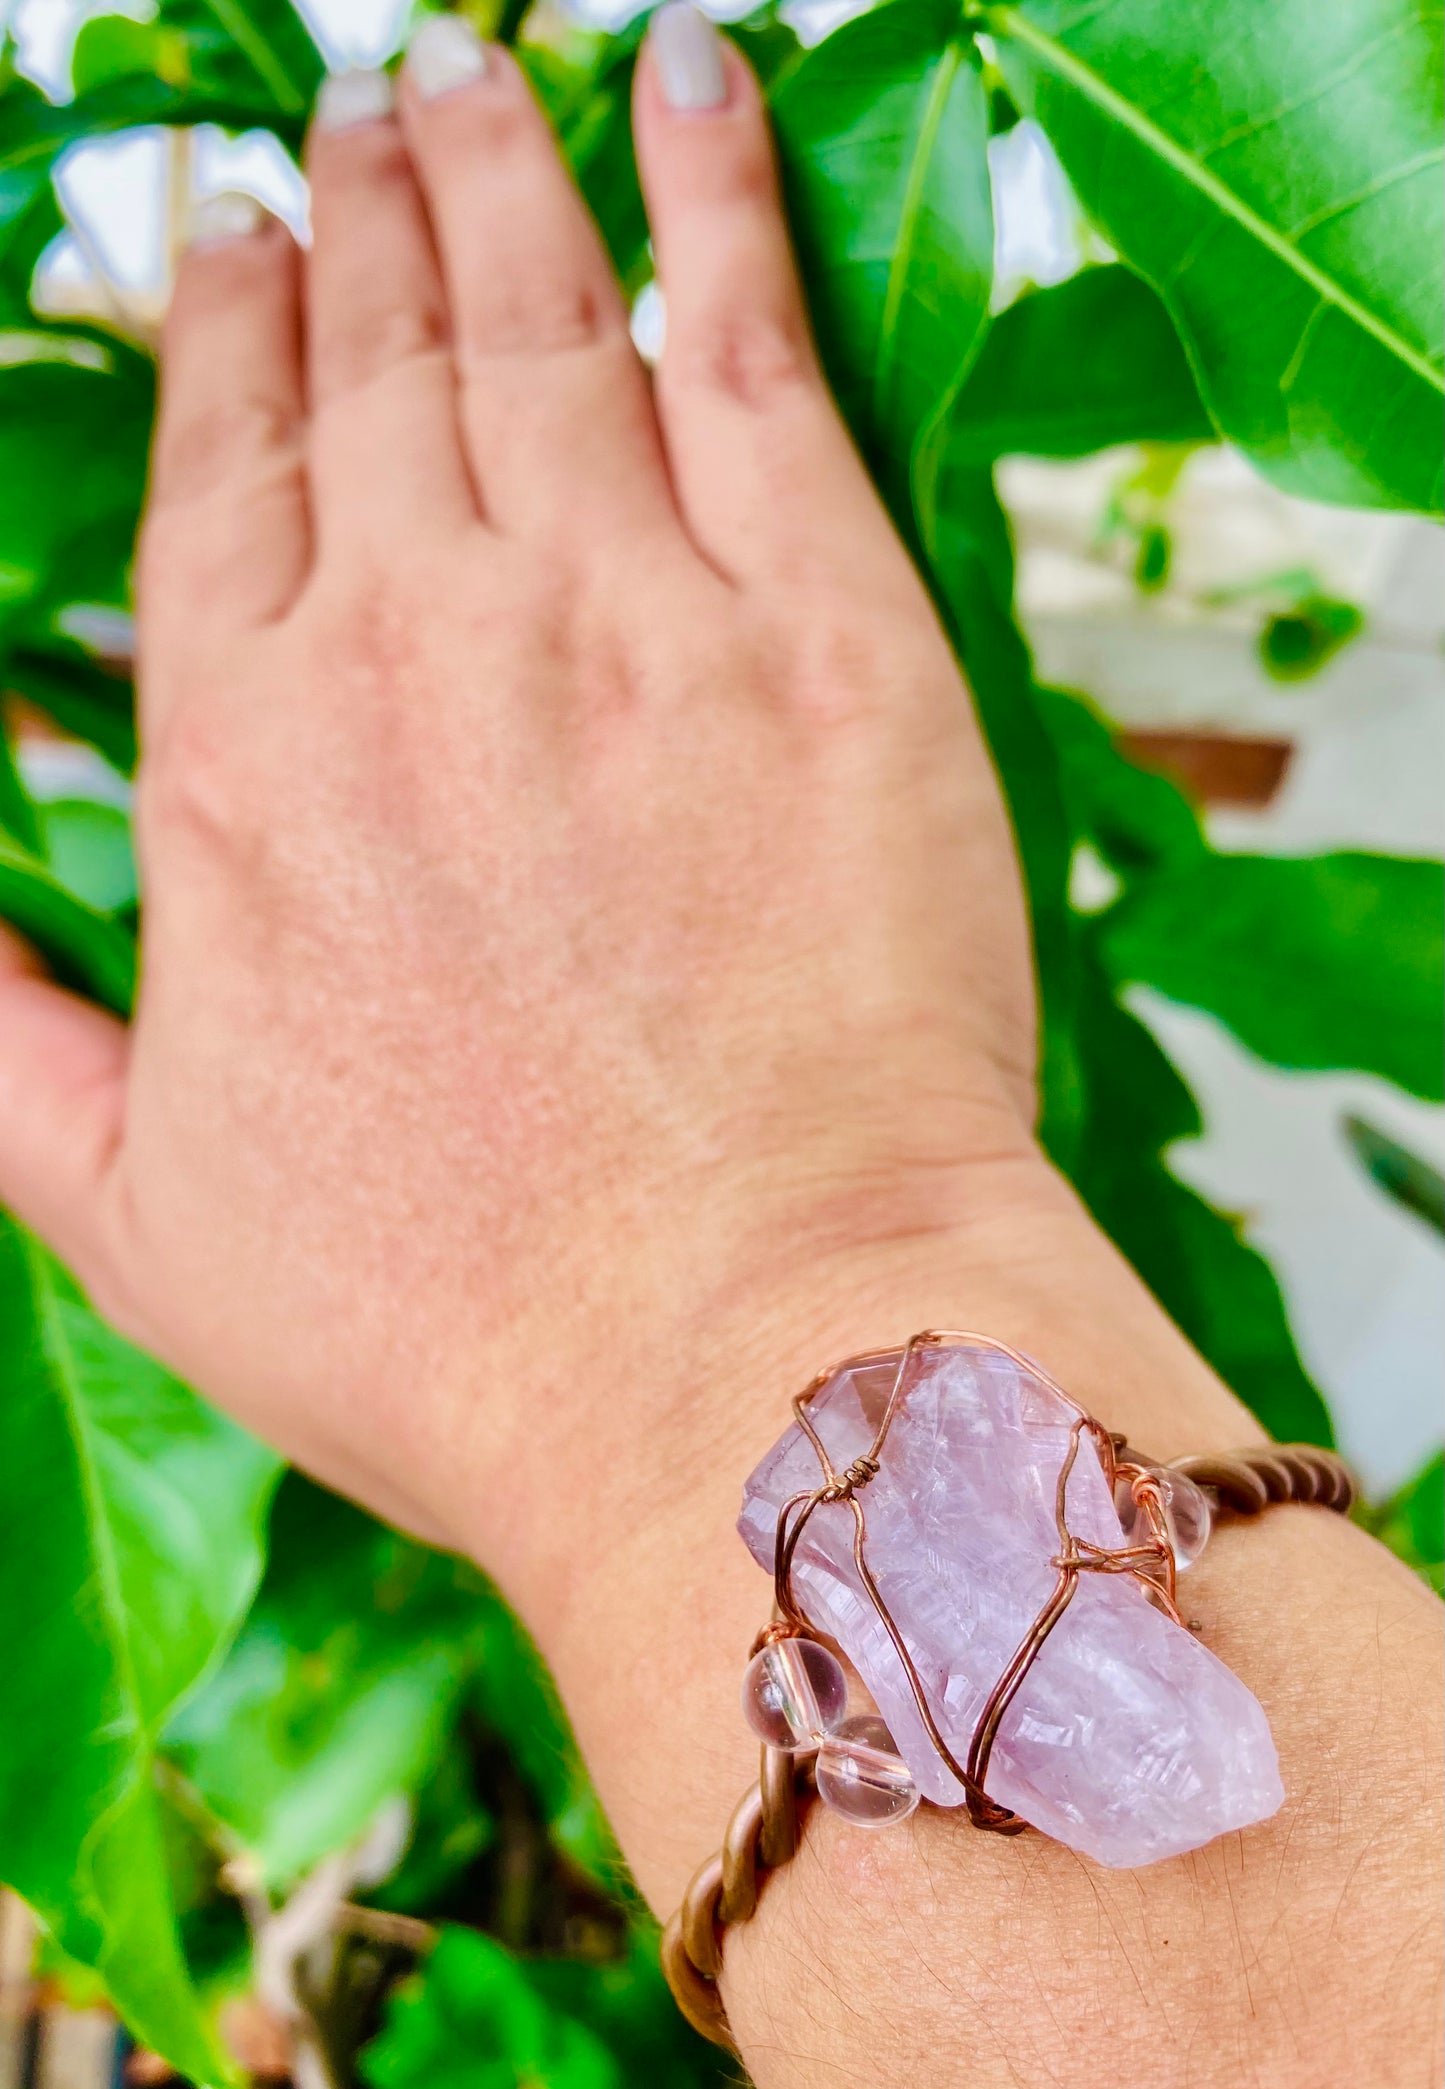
x: 970, y: 562
x: 1313, y: 962
x: 1074, y: 368
x: 83, y: 948
x: 883, y: 131
x: 1195, y: 1260
x: 132, y: 1546
x: 1274, y: 171
x: 1112, y: 1104
x: 337, y: 1693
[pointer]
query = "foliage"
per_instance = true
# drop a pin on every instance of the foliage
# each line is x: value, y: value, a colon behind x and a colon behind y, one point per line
x: 194, y: 1681
x: 1412, y: 1522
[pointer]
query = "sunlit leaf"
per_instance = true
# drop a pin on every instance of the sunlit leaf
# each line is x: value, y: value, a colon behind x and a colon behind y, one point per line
x: 1313, y: 961
x: 1088, y: 363
x: 132, y: 1518
x: 883, y: 131
x: 1274, y: 171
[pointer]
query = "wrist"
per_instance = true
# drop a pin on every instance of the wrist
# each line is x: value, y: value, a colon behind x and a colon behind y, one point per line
x: 621, y: 1549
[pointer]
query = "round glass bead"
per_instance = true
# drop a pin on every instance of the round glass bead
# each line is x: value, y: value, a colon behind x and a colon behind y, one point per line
x: 862, y: 1776
x: 794, y: 1692
x: 1186, y: 1515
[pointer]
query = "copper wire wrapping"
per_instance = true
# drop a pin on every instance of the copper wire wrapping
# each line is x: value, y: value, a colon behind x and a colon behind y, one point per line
x: 765, y: 1828
x: 1152, y: 1564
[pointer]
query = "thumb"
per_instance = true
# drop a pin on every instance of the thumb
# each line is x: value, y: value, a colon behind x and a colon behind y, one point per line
x: 62, y: 1090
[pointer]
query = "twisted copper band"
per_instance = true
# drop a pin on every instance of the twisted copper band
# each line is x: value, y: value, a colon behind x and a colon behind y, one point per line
x: 766, y: 1827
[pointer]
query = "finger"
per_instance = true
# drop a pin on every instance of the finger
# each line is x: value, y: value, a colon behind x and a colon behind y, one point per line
x: 226, y: 543
x: 555, y: 403
x: 765, y: 473
x: 386, y: 459
x: 62, y: 1087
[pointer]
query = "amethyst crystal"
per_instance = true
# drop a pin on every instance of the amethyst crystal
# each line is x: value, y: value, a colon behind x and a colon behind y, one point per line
x: 1128, y: 1740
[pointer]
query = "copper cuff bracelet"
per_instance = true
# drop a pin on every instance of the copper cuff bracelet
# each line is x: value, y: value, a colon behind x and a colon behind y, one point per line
x: 983, y: 1442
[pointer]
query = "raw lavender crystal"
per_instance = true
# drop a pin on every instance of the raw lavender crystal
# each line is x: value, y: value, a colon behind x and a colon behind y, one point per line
x: 1128, y: 1740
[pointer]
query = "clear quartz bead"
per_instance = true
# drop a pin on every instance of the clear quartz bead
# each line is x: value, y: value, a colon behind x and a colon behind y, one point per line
x: 794, y: 1692
x: 862, y: 1776
x: 1186, y: 1514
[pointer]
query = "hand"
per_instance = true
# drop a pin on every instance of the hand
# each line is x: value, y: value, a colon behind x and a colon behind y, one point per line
x: 586, y: 986
x: 577, y: 897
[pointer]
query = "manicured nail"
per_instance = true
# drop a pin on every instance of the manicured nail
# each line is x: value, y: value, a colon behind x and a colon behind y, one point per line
x: 688, y: 54
x: 355, y: 97
x: 446, y: 52
x: 231, y: 215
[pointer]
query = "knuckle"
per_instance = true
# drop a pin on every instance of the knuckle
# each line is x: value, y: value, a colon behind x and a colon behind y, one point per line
x: 849, y: 669
x: 547, y: 315
x: 367, y: 339
x: 190, y: 787
x: 199, y: 451
x: 755, y: 359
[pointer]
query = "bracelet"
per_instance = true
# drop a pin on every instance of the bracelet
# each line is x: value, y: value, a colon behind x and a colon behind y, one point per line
x: 997, y: 1473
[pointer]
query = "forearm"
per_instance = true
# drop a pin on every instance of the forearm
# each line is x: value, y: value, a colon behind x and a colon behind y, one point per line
x: 936, y: 1953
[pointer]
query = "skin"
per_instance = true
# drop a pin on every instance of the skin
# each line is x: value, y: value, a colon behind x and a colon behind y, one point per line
x: 586, y: 986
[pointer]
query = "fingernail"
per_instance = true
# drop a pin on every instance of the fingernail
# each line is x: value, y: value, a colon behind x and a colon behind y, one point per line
x: 688, y: 54
x: 353, y: 97
x: 231, y: 215
x: 446, y: 52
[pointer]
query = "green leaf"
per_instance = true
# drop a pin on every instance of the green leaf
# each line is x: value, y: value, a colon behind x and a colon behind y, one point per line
x: 883, y: 132
x: 625, y: 2003
x: 1214, y: 1286
x: 473, y: 2020
x: 1112, y: 1103
x: 18, y: 817
x: 970, y: 560
x: 596, y: 134
x: 84, y: 698
x: 1297, y: 642
x: 1274, y: 172
x: 1412, y: 1522
x: 517, y: 1699
x: 29, y: 215
x: 257, y: 55
x: 1138, y: 821
x: 83, y: 948
x: 87, y: 846
x: 73, y: 448
x: 1401, y: 1174
x: 132, y: 1519
x: 338, y: 1691
x: 1314, y: 962
x: 1065, y: 371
